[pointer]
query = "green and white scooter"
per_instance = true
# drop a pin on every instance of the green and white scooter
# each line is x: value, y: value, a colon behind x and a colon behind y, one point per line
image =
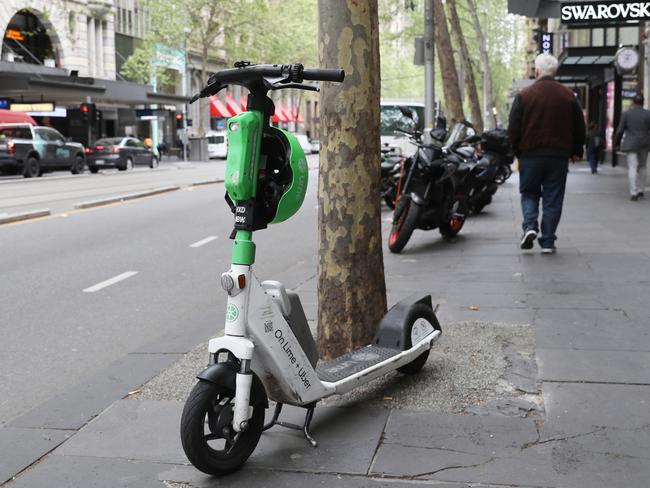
x: 268, y: 352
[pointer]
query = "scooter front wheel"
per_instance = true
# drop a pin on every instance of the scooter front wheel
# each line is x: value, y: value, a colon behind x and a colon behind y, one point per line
x: 207, y: 436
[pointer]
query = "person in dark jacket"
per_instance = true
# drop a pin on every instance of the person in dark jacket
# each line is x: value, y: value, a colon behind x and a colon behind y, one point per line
x: 593, y: 147
x: 546, y: 129
x: 635, y: 124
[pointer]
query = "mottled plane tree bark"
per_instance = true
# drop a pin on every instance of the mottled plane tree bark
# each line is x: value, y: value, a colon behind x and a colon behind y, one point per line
x: 450, y: 84
x: 470, y: 81
x: 351, y: 287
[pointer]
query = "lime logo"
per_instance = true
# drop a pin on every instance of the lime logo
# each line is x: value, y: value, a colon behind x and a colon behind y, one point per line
x: 232, y: 312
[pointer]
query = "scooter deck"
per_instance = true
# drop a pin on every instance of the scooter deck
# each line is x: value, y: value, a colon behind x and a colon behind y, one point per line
x: 353, y: 362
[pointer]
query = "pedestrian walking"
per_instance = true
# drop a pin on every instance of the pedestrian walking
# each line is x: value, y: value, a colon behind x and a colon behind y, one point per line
x: 593, y: 147
x: 635, y: 126
x: 546, y: 129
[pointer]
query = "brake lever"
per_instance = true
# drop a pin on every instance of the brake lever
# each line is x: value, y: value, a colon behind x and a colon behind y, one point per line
x: 299, y: 86
x: 208, y: 91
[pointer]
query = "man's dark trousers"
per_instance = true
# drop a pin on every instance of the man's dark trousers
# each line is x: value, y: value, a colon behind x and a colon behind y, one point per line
x: 545, y: 177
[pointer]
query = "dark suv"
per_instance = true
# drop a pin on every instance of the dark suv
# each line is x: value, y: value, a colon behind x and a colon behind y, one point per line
x: 32, y: 150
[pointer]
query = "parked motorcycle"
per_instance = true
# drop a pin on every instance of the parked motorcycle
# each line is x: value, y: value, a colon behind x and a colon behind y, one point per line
x: 496, y: 143
x: 391, y: 166
x: 426, y: 192
x: 474, y: 178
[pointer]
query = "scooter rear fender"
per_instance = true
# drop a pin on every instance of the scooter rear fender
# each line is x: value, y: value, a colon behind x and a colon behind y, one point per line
x: 392, y: 331
x: 225, y: 375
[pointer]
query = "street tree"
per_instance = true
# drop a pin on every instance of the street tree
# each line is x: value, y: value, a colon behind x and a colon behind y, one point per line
x: 351, y: 287
x: 450, y: 83
x: 485, y: 63
x: 468, y: 68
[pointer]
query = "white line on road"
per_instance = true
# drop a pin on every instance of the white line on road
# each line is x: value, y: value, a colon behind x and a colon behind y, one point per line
x: 111, y: 281
x: 203, y: 241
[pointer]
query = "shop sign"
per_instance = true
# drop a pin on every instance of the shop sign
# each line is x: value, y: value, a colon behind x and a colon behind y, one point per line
x: 32, y: 107
x: 546, y: 43
x: 4, y: 103
x: 585, y: 12
x: 14, y: 34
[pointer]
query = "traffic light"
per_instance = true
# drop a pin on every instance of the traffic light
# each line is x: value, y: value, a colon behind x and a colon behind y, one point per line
x: 88, y: 112
x: 179, y: 120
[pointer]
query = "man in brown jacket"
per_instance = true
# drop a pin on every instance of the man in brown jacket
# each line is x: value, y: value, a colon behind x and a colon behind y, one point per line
x: 546, y: 129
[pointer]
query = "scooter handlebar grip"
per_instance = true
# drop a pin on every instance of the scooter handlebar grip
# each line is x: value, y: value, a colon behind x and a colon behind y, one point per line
x: 323, y: 74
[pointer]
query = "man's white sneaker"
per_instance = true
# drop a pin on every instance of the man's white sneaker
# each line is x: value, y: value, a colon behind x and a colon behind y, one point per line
x: 548, y: 250
x: 528, y: 239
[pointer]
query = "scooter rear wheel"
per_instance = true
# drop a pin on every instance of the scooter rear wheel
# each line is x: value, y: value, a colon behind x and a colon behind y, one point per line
x: 206, y: 430
x: 417, y: 311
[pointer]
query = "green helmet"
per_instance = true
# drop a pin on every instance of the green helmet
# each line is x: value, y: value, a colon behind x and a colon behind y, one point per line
x: 285, y: 173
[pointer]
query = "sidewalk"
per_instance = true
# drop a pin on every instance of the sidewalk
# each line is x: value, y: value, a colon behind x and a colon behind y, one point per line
x: 546, y: 359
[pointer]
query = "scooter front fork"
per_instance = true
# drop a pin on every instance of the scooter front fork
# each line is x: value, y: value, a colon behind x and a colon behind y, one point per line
x: 243, y: 383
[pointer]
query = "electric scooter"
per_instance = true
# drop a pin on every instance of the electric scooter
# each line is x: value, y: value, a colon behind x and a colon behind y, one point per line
x: 268, y: 352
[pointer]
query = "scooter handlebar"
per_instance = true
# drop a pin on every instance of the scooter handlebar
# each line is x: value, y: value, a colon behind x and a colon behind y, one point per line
x: 323, y: 74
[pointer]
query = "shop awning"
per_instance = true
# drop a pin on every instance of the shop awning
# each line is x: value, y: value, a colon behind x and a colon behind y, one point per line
x: 297, y: 116
x: 10, y: 117
x: 232, y: 105
x: 218, y: 109
x: 279, y: 116
x: 286, y: 112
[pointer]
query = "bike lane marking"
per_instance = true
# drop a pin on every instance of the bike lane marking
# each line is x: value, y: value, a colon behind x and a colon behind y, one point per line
x: 203, y: 242
x: 110, y: 281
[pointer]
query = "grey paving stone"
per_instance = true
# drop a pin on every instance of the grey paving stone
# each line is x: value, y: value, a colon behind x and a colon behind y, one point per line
x: 148, y: 431
x: 74, y: 408
x: 590, y: 329
x: 488, y: 436
x: 246, y: 478
x: 575, y: 408
x: 498, y: 315
x: 83, y: 472
x: 21, y: 447
x: 594, y: 366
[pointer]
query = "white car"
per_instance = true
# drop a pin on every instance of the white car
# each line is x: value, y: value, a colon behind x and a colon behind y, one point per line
x: 304, y: 143
x: 217, y: 144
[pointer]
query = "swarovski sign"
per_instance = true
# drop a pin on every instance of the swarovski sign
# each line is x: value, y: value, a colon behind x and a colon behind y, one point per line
x: 583, y: 12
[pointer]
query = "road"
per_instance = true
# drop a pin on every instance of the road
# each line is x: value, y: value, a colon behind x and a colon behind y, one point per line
x: 60, y: 190
x: 102, y: 299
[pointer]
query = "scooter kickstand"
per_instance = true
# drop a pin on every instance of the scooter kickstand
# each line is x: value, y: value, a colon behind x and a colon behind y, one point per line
x: 305, y: 427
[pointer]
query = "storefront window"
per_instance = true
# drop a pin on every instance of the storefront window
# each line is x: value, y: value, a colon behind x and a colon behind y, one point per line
x: 598, y: 37
x: 610, y: 36
x: 580, y: 38
x: 628, y: 36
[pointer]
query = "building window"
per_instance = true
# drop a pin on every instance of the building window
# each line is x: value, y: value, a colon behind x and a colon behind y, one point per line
x: 598, y: 37
x: 580, y: 38
x: 610, y: 36
x: 628, y: 36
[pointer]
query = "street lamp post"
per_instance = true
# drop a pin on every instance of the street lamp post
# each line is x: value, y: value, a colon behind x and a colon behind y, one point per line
x: 429, y: 70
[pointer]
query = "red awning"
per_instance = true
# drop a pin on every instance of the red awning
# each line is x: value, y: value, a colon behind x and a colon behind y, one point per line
x: 218, y: 109
x: 286, y: 113
x: 279, y: 116
x: 12, y: 117
x: 244, y: 102
x: 297, y: 116
x: 232, y: 105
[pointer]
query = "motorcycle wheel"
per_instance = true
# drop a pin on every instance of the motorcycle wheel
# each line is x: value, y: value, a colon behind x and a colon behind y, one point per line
x: 406, y: 218
x: 206, y: 419
x: 452, y: 226
x: 504, y: 173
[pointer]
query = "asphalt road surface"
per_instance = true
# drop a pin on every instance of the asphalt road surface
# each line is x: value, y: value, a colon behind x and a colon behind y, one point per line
x: 82, y: 290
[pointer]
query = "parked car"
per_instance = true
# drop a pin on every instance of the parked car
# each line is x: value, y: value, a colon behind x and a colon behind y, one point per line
x: 217, y: 144
x: 122, y: 153
x: 304, y: 143
x: 315, y: 146
x: 32, y: 150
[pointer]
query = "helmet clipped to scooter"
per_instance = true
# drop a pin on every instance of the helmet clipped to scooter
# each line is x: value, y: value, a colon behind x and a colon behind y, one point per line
x: 283, y: 176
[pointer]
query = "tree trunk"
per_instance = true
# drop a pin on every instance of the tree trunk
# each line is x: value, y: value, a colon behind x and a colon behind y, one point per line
x: 470, y: 82
x: 485, y: 61
x: 450, y: 84
x: 351, y: 287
